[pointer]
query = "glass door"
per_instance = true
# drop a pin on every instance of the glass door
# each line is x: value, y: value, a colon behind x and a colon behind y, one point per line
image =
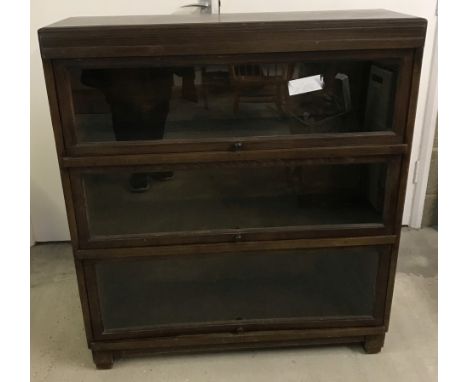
x: 238, y: 291
x: 264, y: 101
x: 235, y: 202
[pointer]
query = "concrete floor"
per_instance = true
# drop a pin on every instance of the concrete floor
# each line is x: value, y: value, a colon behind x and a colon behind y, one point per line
x: 59, y: 352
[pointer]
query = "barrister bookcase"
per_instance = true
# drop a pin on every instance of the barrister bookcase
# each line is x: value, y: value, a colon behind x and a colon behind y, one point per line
x: 234, y: 181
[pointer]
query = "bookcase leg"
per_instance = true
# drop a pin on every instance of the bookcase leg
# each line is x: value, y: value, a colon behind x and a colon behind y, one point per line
x: 373, y: 344
x: 103, y: 359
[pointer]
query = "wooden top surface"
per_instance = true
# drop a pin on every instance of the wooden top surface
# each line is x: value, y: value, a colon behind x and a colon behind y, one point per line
x: 242, y: 33
x: 268, y: 17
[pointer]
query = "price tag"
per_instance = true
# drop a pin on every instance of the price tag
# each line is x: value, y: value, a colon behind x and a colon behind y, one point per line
x: 305, y: 85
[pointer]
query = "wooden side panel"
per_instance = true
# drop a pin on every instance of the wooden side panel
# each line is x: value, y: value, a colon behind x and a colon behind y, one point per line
x: 411, y: 115
x: 68, y: 194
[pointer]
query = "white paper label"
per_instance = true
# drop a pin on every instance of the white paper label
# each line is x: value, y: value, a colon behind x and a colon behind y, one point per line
x: 305, y: 85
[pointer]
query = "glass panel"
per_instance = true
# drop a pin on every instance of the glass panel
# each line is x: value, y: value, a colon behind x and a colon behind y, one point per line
x: 120, y: 202
x: 238, y: 286
x: 241, y: 100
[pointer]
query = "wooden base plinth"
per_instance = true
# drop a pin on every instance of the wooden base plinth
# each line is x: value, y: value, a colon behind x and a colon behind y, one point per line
x: 104, y: 359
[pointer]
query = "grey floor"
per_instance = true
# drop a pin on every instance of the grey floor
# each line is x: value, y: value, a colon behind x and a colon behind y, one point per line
x: 59, y: 352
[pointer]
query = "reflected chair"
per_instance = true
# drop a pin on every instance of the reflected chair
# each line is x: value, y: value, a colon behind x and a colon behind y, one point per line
x: 254, y: 83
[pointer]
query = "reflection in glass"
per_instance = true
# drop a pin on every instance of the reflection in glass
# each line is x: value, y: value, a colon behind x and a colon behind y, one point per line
x: 238, y: 286
x: 219, y: 197
x: 241, y: 100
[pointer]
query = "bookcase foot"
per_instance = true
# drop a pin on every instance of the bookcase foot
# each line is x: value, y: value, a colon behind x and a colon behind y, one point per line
x: 103, y: 359
x: 374, y: 344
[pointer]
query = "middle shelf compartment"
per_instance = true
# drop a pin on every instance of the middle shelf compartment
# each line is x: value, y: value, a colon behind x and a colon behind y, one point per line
x: 238, y: 201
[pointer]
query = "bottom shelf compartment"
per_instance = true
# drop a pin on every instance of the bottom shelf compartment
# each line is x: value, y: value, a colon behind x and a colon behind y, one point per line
x: 237, y: 289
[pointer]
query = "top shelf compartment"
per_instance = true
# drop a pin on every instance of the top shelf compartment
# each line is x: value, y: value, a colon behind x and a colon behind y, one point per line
x: 157, y: 105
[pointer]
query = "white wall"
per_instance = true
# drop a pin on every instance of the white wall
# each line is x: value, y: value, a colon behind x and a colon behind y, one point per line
x: 47, y: 205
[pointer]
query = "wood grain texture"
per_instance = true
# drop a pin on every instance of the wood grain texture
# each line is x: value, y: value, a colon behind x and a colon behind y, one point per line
x: 343, y: 154
x: 175, y: 250
x: 253, y: 339
x: 230, y: 34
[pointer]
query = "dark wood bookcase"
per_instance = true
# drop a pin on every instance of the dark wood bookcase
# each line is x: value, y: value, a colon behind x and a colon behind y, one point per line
x: 234, y: 181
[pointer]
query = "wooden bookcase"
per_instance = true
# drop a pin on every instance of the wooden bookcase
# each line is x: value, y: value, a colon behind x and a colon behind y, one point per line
x: 214, y: 201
